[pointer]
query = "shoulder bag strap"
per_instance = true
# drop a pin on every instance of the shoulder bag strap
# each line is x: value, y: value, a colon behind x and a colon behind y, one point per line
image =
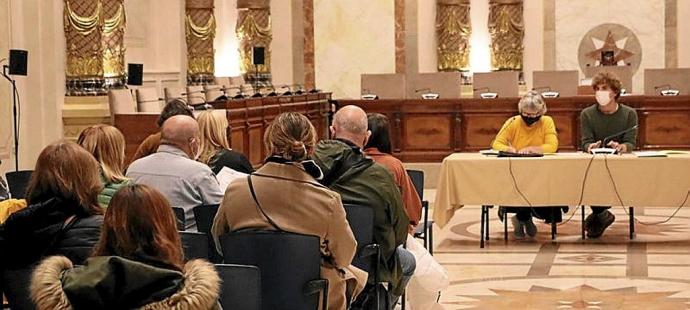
x: 258, y: 205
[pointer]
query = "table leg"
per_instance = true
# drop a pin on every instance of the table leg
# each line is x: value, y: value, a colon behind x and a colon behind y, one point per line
x: 553, y: 223
x: 505, y: 226
x: 632, y: 222
x: 486, y: 218
x: 481, y: 230
x: 583, y: 221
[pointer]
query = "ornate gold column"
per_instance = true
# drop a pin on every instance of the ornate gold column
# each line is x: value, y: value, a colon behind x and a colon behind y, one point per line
x: 453, y: 30
x: 200, y: 25
x: 507, y: 32
x: 94, y: 37
x: 254, y: 30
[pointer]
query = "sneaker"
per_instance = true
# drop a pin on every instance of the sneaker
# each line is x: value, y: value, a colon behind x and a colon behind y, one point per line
x: 518, y: 228
x: 597, y: 223
x: 530, y: 228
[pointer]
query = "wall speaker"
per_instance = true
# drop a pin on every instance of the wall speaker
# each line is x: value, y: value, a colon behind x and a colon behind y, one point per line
x: 258, y: 55
x: 18, y: 60
x: 135, y: 74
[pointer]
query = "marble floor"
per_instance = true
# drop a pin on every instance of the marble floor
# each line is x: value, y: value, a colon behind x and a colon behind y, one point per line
x: 650, y: 272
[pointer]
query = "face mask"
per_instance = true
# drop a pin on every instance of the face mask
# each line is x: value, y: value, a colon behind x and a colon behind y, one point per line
x: 603, y: 97
x: 530, y: 120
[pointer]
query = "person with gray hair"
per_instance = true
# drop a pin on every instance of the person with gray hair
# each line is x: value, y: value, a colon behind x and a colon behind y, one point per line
x: 174, y: 171
x: 530, y: 132
x: 362, y: 182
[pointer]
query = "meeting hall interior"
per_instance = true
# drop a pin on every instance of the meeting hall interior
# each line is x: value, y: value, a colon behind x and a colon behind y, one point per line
x: 345, y: 154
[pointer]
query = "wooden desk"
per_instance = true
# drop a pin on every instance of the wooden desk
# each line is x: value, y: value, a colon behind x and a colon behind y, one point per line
x: 248, y: 120
x: 429, y: 130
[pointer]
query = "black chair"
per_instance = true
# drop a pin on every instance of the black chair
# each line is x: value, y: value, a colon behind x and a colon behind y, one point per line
x: 241, y: 288
x: 425, y: 230
x: 18, y: 181
x: 290, y: 266
x: 361, y: 220
x: 179, y: 215
x: 195, y: 245
x: 204, y: 215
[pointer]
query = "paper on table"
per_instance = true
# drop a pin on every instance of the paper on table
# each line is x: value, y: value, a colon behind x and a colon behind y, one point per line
x: 226, y: 175
x: 650, y: 154
x: 674, y: 152
x: 488, y: 152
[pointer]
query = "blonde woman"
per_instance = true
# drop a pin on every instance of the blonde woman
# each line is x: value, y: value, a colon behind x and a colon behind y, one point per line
x: 530, y: 132
x: 106, y: 144
x: 215, y: 148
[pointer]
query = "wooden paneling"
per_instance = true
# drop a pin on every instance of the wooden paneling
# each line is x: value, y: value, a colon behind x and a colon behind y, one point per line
x: 248, y: 120
x: 428, y: 131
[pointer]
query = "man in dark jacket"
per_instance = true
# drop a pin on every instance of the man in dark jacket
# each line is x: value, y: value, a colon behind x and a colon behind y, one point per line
x: 360, y: 181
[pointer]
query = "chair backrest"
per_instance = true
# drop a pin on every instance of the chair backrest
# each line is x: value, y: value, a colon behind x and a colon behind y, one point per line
x: 417, y: 177
x: 195, y: 95
x: 179, y: 216
x: 361, y: 220
x: 212, y: 92
x: 204, y: 215
x: 148, y: 101
x: 195, y: 245
x: 287, y: 261
x: 121, y: 102
x: 236, y: 80
x: 18, y: 181
x: 241, y: 288
x: 223, y: 80
x: 170, y: 93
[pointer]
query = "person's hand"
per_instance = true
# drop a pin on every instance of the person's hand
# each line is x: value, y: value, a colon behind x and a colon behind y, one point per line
x: 511, y: 149
x: 593, y: 146
x: 411, y: 229
x: 620, y: 147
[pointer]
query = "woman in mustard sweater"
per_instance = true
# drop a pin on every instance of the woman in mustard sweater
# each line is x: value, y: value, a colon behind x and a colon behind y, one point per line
x: 530, y: 132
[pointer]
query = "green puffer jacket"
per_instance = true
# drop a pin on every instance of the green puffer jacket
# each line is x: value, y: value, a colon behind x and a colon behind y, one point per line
x: 360, y: 181
x: 109, y: 190
x: 113, y: 282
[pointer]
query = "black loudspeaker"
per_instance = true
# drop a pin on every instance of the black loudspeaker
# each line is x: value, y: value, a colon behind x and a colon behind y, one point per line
x: 18, y: 60
x: 258, y: 55
x: 135, y: 74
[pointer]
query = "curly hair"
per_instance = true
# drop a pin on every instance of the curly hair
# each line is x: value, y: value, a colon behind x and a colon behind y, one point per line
x: 609, y: 79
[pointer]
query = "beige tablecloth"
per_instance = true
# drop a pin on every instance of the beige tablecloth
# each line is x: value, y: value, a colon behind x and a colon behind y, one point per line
x: 475, y: 179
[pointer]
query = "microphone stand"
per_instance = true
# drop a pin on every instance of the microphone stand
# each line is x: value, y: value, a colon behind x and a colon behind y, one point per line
x: 14, y: 116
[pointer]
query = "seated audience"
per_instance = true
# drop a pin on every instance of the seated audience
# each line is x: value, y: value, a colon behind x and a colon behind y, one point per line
x: 174, y: 171
x: 288, y: 193
x: 602, y: 120
x: 360, y: 181
x: 531, y: 132
x: 137, y: 263
x: 151, y: 143
x: 62, y: 218
x: 379, y: 149
x: 107, y: 144
x: 215, y: 148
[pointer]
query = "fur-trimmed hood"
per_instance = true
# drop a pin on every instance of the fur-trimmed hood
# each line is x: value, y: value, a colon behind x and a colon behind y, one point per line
x: 112, y: 282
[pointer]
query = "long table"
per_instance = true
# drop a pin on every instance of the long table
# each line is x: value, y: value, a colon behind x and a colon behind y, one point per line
x: 429, y: 130
x: 248, y: 120
x: 568, y: 179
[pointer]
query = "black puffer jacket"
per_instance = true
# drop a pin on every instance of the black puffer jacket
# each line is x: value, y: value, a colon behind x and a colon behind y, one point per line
x: 36, y: 232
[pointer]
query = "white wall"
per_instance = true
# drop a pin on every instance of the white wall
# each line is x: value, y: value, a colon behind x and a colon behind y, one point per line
x: 683, y: 33
x: 227, y: 55
x: 352, y: 37
x: 426, y: 36
x: 35, y: 26
x: 281, y: 45
x: 533, y: 53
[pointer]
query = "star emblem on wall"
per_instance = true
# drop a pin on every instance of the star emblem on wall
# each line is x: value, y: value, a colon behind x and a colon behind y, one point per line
x: 612, y: 46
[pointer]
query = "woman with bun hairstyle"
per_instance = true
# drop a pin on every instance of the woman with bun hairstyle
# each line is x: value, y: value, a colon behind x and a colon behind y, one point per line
x: 287, y: 191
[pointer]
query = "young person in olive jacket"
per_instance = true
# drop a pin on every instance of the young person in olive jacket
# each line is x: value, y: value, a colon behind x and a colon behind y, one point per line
x: 63, y: 217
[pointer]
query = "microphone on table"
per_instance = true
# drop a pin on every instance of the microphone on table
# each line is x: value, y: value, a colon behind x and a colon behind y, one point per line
x: 487, y: 94
x: 288, y: 92
x: 546, y: 92
x: 427, y: 93
x: 152, y: 100
x: 607, y: 150
x: 666, y: 90
x: 273, y: 91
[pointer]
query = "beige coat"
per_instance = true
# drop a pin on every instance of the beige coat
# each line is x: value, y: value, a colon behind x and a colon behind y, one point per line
x: 299, y: 204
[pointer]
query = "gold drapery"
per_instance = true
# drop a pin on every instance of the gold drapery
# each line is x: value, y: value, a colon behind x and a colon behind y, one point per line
x: 254, y: 29
x: 94, y: 37
x: 453, y: 30
x: 200, y: 30
x: 507, y: 32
